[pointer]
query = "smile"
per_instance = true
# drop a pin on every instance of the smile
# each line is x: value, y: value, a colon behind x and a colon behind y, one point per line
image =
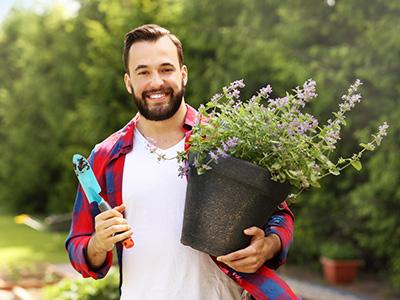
x: 157, y: 97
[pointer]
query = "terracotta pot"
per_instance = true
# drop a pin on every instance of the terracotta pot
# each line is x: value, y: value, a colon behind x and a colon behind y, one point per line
x: 339, y: 271
x: 224, y: 201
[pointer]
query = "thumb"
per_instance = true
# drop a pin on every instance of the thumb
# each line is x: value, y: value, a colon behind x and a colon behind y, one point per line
x: 254, y: 231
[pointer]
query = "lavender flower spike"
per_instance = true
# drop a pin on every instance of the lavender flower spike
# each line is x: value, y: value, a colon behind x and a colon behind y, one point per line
x: 213, y: 155
x: 383, y: 128
x: 237, y: 84
x: 381, y: 133
x: 184, y: 169
x: 232, y: 142
x: 265, y: 91
x: 309, y: 88
x: 222, y: 153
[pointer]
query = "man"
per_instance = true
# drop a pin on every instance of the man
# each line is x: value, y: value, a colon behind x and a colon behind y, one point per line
x: 152, y: 195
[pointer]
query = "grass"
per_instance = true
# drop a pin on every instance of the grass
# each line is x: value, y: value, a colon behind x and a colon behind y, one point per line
x: 22, y: 245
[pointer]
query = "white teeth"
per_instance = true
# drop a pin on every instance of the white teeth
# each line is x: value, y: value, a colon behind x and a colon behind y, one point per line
x: 156, y: 96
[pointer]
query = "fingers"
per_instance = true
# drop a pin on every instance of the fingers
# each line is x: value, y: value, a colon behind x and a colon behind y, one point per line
x: 249, y: 259
x: 254, y: 231
x: 109, y: 214
x: 104, y: 224
x: 246, y: 265
x: 122, y: 236
x: 116, y: 229
x: 120, y: 208
x: 240, y: 254
x: 110, y: 228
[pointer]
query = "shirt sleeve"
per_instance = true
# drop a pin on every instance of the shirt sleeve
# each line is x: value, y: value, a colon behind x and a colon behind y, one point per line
x: 282, y: 224
x: 82, y: 228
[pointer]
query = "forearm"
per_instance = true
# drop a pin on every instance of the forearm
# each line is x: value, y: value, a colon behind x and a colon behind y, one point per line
x: 273, y: 245
x: 280, y: 224
x: 96, y: 257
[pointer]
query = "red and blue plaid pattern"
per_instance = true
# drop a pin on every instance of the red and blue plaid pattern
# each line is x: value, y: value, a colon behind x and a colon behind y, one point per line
x: 107, y: 160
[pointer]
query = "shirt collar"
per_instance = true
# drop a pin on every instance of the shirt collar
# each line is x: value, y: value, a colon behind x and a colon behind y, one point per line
x: 125, y: 141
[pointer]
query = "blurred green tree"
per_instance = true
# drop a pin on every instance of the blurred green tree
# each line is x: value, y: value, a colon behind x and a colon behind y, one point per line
x: 61, y: 91
x: 38, y: 90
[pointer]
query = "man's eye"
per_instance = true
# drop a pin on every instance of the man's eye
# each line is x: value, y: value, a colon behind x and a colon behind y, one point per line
x: 143, y: 73
x: 167, y: 70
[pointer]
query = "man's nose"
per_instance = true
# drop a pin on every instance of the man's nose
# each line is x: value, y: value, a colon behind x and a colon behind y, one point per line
x: 156, y: 80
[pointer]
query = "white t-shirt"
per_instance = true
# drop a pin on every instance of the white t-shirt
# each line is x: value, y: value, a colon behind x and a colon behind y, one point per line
x: 159, y: 266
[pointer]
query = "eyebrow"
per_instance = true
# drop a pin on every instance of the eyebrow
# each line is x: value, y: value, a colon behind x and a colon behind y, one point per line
x: 162, y: 65
x: 140, y: 67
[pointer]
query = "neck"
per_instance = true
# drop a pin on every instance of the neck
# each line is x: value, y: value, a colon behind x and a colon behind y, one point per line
x: 165, y: 133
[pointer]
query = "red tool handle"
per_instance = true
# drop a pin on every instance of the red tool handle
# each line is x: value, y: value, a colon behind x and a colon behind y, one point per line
x: 128, y: 242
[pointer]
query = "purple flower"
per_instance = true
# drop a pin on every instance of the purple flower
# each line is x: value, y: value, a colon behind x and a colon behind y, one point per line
x: 306, y: 94
x: 216, y: 97
x: 279, y: 102
x: 332, y: 133
x: 222, y: 153
x: 306, y: 123
x: 213, y: 155
x: 265, y: 91
x: 381, y: 133
x: 232, y: 142
x: 309, y: 88
x: 382, y: 129
x: 232, y: 91
x: 350, y: 99
x: 353, y: 99
x: 237, y: 84
x: 184, y: 169
x: 229, y: 144
x: 234, y: 94
x: 354, y: 87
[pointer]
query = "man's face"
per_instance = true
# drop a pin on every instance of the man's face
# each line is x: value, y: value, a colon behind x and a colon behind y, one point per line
x: 155, y: 80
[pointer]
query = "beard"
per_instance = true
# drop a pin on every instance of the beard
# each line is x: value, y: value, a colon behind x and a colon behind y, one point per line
x: 163, y: 111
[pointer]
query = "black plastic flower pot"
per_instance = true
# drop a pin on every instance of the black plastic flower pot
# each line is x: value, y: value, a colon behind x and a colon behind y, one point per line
x: 224, y: 201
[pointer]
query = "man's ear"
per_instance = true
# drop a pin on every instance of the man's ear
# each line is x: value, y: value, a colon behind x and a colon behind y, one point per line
x: 184, y: 74
x: 128, y: 84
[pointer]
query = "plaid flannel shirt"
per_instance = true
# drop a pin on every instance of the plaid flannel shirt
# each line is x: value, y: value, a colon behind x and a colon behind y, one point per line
x: 107, y: 160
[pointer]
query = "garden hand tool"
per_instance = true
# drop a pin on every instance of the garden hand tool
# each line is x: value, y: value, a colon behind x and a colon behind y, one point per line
x: 92, y: 188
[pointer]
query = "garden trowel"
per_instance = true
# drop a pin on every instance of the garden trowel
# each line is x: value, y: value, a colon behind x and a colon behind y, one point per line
x: 92, y: 188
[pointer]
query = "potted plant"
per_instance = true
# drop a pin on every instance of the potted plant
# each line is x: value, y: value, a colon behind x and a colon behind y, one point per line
x: 245, y: 154
x: 340, y: 262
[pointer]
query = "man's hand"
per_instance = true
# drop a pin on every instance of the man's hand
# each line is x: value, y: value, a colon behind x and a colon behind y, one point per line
x: 251, y: 258
x: 110, y: 227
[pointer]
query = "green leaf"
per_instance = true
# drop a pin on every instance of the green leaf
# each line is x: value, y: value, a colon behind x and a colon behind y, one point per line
x: 315, y: 184
x: 356, y: 164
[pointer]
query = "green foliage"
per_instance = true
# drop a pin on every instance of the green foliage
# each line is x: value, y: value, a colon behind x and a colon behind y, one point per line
x: 340, y: 251
x: 35, y: 105
x: 61, y: 91
x: 276, y: 136
x: 85, y: 289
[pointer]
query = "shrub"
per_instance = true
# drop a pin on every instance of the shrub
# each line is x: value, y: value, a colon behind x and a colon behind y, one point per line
x: 85, y: 289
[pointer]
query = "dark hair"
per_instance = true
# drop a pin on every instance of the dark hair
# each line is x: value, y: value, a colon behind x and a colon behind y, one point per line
x: 149, y: 32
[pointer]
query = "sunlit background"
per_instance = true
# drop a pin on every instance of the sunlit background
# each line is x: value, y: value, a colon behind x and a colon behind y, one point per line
x: 61, y: 92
